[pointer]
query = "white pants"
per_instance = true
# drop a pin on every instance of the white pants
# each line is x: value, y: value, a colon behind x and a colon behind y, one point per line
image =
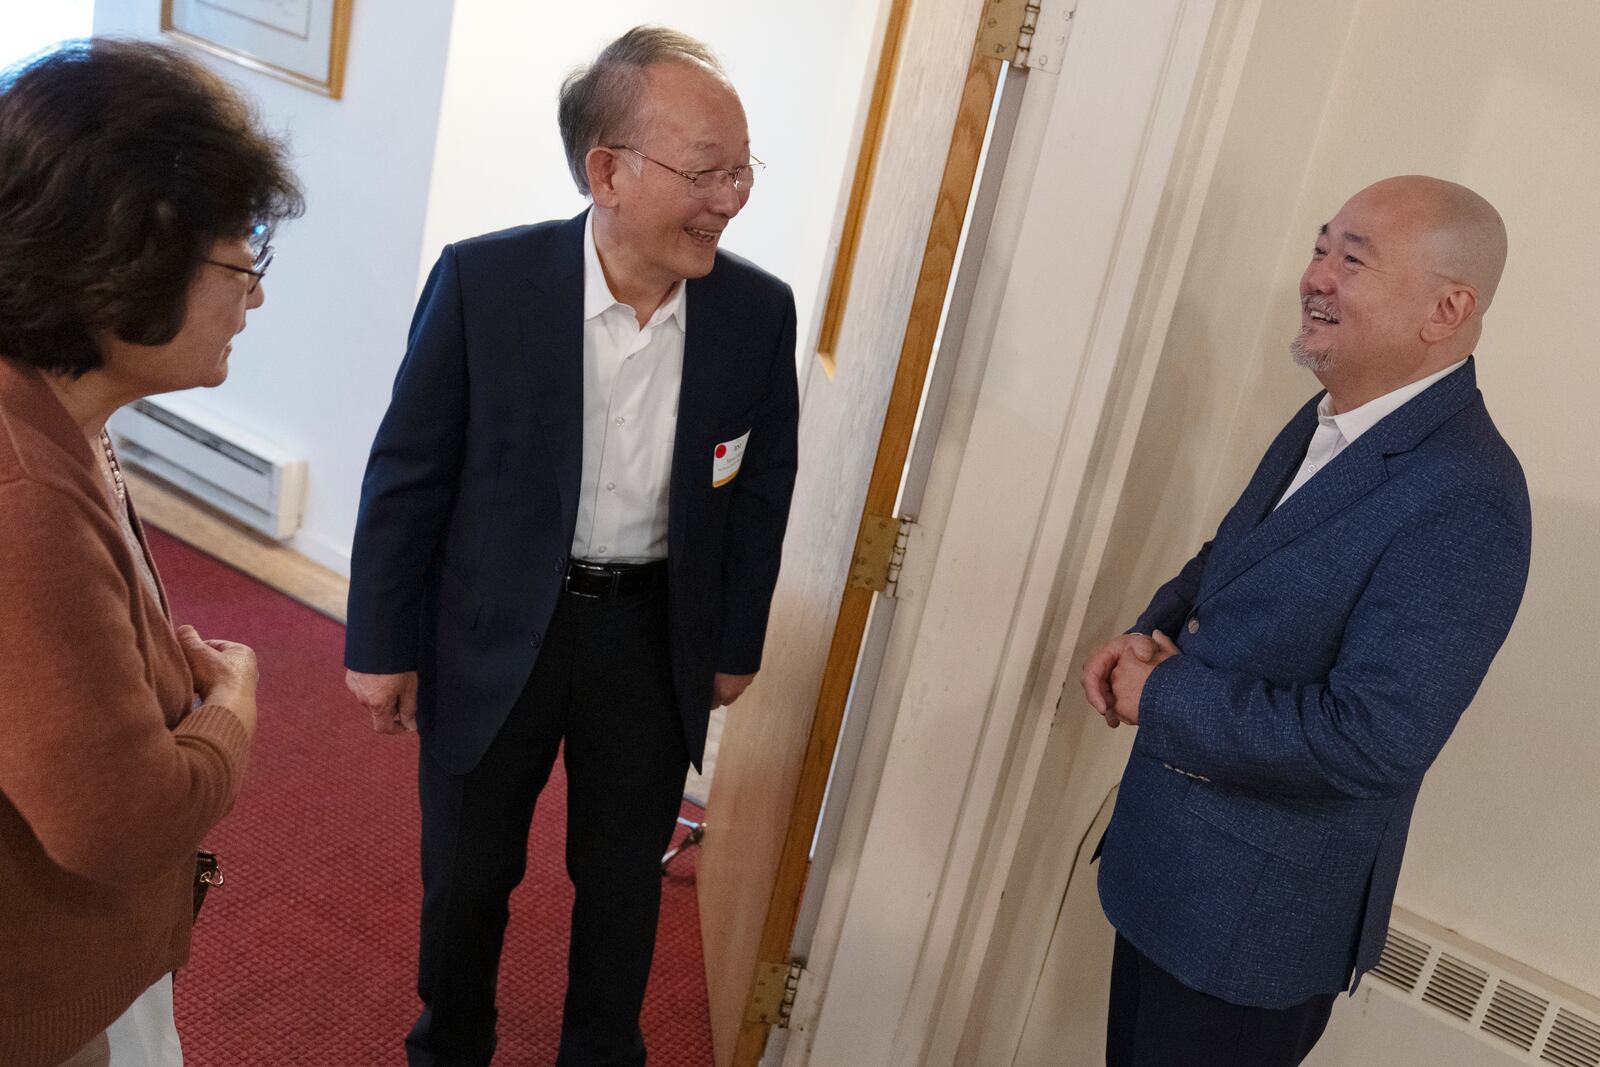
x: 145, y: 1035
x: 142, y: 1036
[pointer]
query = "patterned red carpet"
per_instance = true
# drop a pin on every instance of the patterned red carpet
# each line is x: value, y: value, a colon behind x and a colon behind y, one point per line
x: 306, y: 956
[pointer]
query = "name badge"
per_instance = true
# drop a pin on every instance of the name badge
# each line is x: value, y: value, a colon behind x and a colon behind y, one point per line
x: 726, y: 459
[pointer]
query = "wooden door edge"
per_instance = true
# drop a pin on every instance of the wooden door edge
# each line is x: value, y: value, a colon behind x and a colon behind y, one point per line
x: 861, y: 183
x: 927, y: 307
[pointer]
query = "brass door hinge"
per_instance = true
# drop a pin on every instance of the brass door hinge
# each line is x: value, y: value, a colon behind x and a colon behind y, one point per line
x: 879, y: 553
x: 772, y: 995
x: 1026, y: 33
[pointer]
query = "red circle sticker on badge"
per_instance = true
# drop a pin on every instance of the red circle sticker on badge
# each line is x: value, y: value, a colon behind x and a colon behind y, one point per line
x: 722, y: 450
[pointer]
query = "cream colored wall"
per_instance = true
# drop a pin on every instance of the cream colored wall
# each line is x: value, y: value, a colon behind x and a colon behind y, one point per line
x: 1505, y: 847
x: 1506, y: 843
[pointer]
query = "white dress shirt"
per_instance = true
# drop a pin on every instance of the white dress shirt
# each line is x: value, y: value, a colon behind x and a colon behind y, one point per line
x: 630, y: 414
x: 1336, y: 432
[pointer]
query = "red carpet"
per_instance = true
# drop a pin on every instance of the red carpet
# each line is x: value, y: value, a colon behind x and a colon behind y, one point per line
x: 307, y: 955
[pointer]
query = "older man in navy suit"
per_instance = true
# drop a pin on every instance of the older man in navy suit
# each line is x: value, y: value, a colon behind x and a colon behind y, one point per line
x: 1295, y: 681
x: 569, y: 536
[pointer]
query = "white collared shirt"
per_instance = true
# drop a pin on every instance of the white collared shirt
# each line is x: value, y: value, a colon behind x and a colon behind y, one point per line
x: 630, y: 414
x: 1335, y: 433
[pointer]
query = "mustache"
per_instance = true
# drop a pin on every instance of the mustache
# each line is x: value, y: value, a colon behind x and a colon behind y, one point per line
x: 1320, y: 305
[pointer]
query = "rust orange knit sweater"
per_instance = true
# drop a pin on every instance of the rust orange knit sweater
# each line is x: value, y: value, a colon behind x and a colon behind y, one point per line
x: 108, y: 779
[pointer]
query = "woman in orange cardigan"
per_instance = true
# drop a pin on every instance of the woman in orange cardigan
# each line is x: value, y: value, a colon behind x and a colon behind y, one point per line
x: 135, y: 190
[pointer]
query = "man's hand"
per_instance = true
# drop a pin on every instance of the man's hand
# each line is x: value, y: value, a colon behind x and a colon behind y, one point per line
x: 1103, y: 661
x: 1131, y: 672
x: 725, y: 688
x: 390, y: 698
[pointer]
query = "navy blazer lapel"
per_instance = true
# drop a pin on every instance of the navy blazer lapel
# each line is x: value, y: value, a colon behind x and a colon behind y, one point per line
x: 1358, y: 470
x: 704, y: 345
x: 551, y: 319
x: 1278, y: 467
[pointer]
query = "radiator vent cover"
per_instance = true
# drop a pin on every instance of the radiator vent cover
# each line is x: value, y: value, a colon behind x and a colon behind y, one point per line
x: 1456, y: 987
x: 1469, y: 987
x: 1403, y: 959
x: 251, y: 480
x: 1515, y: 1014
x: 1574, y: 1041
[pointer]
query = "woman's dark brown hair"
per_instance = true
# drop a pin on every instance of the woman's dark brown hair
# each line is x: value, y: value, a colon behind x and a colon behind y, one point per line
x: 121, y: 163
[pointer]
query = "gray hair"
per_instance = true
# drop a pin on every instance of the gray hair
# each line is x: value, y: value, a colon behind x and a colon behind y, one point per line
x: 599, y: 104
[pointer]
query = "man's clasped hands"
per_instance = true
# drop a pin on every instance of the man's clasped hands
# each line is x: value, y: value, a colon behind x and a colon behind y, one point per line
x: 1114, y: 676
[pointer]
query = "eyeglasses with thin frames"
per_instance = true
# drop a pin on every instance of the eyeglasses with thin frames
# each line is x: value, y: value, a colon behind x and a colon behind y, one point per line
x: 256, y: 270
x: 704, y: 183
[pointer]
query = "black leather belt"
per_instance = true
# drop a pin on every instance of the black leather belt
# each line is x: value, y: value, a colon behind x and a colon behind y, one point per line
x: 606, y: 581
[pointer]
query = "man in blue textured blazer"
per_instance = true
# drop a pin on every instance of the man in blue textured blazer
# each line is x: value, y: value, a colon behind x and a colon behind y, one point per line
x: 569, y: 535
x: 1295, y: 681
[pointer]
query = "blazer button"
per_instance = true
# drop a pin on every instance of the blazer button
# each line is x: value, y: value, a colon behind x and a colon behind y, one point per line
x: 537, y: 639
x: 1194, y: 624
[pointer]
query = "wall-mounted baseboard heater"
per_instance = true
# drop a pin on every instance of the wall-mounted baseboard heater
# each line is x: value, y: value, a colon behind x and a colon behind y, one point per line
x: 1465, y: 991
x: 251, y: 480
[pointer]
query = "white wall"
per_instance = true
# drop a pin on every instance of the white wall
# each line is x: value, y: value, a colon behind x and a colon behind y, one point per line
x: 27, y: 27
x: 1505, y: 846
x: 801, y: 70
x: 312, y: 371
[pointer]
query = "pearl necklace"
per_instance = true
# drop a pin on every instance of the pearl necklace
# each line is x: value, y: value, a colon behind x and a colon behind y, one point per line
x: 115, y: 468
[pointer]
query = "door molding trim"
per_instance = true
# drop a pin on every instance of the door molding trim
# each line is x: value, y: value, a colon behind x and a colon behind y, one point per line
x: 969, y: 687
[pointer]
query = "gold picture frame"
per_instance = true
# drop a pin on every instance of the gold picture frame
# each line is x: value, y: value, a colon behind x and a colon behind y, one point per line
x: 303, y: 42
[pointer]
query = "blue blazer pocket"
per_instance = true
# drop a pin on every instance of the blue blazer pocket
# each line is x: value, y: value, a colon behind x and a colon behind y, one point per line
x: 457, y: 599
x: 1293, y: 836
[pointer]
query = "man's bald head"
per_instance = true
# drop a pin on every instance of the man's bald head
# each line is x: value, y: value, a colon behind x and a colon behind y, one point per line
x: 1460, y: 235
x: 1397, y: 286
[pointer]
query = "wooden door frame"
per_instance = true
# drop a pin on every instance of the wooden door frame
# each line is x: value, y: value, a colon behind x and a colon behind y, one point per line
x: 912, y: 1008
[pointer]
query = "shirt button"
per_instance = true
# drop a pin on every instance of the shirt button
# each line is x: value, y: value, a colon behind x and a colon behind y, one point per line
x: 611, y: 487
x: 602, y: 550
x: 621, y: 420
x: 1194, y: 625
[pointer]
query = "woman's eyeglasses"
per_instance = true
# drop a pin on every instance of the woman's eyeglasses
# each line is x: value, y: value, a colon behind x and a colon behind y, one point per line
x: 256, y: 270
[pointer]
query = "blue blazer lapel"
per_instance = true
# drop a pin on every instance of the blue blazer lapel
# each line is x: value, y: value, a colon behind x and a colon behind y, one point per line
x: 1358, y: 470
x: 551, y: 320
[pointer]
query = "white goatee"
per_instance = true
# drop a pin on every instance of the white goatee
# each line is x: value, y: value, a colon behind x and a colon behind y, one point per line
x: 1312, y: 360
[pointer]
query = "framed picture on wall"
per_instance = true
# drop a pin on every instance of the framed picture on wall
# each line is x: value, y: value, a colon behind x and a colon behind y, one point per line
x: 300, y: 41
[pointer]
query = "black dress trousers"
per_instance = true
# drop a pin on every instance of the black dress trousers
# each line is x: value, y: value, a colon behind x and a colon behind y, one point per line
x: 603, y: 687
x: 1157, y: 1021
